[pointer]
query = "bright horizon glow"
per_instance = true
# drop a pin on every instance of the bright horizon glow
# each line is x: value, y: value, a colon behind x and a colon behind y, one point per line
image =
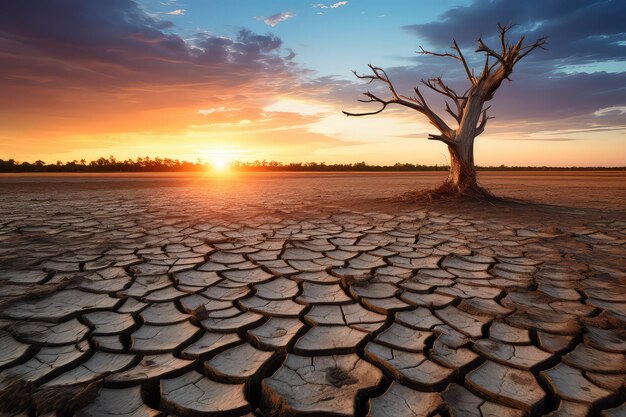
x: 219, y: 160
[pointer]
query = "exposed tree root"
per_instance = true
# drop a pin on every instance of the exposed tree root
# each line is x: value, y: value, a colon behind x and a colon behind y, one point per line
x: 450, y: 192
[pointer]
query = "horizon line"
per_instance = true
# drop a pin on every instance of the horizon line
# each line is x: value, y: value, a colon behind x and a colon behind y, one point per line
x: 159, y: 164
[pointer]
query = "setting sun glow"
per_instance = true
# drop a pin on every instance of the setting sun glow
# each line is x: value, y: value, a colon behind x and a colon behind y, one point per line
x: 219, y: 160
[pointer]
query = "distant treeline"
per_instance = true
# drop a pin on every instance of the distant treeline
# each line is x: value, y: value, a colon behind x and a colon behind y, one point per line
x: 110, y: 164
x: 147, y: 164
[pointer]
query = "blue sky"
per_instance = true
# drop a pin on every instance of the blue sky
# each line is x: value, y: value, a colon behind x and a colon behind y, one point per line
x: 328, y: 36
x: 332, y: 41
x: 251, y: 79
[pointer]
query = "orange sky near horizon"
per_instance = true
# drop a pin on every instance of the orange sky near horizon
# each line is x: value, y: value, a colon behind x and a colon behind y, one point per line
x: 296, y: 131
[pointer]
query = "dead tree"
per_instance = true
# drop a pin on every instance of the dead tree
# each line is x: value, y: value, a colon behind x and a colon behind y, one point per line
x: 468, y: 109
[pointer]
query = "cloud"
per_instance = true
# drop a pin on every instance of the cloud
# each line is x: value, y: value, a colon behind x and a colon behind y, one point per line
x: 221, y: 109
x: 610, y: 111
x: 330, y: 6
x: 293, y: 106
x: 66, y: 62
x: 291, y: 55
x: 578, y: 32
x: 275, y: 19
x: 177, y: 12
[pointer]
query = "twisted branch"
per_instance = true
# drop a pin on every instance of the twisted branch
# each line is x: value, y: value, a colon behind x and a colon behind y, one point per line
x: 458, y: 56
x: 417, y: 103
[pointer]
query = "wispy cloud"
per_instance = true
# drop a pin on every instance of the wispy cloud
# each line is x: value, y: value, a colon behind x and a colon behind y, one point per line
x: 610, y: 111
x: 206, y: 112
x: 330, y: 6
x: 178, y: 12
x: 275, y: 19
x: 293, y: 106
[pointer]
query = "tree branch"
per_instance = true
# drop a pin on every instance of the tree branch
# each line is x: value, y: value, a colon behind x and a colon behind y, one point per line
x: 503, y: 29
x: 441, y: 138
x: 470, y: 74
x: 365, y: 114
x: 486, y: 68
x: 445, y: 54
x: 458, y: 56
x: 418, y: 103
x: 456, y: 116
x: 437, y: 84
x: 372, y: 98
x: 493, y: 75
x: 483, y: 121
x: 539, y: 43
x: 488, y: 51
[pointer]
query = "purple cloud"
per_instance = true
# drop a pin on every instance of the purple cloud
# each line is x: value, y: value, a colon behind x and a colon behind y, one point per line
x: 275, y: 19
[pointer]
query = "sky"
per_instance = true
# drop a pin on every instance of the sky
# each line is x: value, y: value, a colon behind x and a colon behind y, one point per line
x: 252, y: 80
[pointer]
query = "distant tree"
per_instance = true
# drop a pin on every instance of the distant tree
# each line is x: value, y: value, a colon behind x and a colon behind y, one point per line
x: 469, y: 113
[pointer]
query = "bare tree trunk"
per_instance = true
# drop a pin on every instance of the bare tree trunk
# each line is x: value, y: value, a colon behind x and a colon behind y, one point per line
x: 462, y: 174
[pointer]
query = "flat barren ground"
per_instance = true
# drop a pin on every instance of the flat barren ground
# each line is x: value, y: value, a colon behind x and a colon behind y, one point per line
x: 311, y: 294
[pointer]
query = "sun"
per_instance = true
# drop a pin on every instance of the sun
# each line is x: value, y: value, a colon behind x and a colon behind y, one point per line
x: 220, y: 163
x: 219, y: 160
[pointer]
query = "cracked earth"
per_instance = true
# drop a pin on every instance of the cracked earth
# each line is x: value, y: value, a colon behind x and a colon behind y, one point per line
x: 160, y: 304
